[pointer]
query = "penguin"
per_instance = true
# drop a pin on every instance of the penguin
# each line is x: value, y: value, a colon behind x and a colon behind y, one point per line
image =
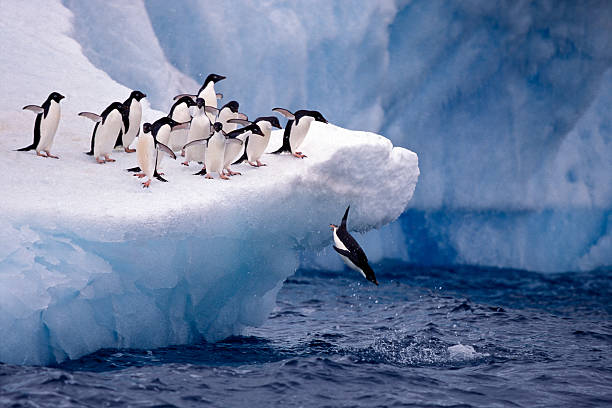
x: 108, y: 125
x: 235, y: 150
x: 148, y: 149
x: 160, y: 131
x: 45, y: 126
x: 215, y: 150
x: 350, y: 251
x: 296, y: 129
x: 255, y: 147
x: 200, y: 129
x: 180, y: 113
x: 134, y: 108
x: 230, y: 111
x: 207, y: 92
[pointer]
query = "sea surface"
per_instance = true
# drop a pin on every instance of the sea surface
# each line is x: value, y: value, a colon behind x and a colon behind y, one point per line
x: 426, y: 337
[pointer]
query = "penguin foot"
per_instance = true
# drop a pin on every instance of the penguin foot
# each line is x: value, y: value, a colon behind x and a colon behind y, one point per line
x: 51, y: 156
x: 108, y: 159
x: 183, y: 153
x: 128, y: 150
x: 253, y: 164
x: 259, y: 164
x: 208, y: 176
x: 233, y: 173
x: 146, y: 184
x: 40, y: 154
x: 185, y: 163
x: 139, y: 175
x: 299, y: 155
x: 224, y: 177
x: 100, y: 161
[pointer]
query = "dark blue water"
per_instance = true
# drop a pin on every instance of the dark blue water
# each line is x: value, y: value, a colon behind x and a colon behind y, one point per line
x: 425, y: 337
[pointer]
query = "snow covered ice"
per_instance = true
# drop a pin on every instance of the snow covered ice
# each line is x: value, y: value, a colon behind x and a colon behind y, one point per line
x: 88, y: 259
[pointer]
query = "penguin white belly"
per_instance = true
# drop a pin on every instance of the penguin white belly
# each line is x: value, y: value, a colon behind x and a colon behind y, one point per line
x: 234, y: 150
x: 225, y: 115
x: 257, y: 145
x: 145, y: 151
x: 200, y: 129
x: 210, y: 99
x: 163, y: 136
x: 48, y: 127
x: 215, y: 153
x: 106, y: 134
x: 135, y: 117
x: 298, y: 134
x: 347, y: 261
x: 178, y: 138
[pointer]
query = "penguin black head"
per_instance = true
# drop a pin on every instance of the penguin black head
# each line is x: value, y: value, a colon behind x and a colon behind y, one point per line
x: 56, y: 96
x: 146, y: 128
x: 232, y: 105
x: 256, y: 130
x: 217, y: 126
x: 272, y: 119
x: 318, y: 117
x: 137, y: 95
x: 214, y: 78
x: 200, y: 103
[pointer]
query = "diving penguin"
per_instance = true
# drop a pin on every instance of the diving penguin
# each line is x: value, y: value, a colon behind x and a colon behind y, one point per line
x: 350, y: 251
x: 45, y: 126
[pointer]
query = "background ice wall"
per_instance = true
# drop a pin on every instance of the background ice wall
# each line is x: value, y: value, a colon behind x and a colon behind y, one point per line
x: 506, y: 102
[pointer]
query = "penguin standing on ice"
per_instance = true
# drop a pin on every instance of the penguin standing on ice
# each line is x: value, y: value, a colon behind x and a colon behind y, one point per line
x: 134, y: 107
x: 256, y: 146
x: 180, y: 113
x: 45, y: 126
x: 234, y: 150
x: 200, y: 129
x: 108, y: 125
x: 350, y: 251
x: 215, y: 151
x: 160, y: 130
x: 148, y: 149
x: 296, y: 129
x: 207, y: 92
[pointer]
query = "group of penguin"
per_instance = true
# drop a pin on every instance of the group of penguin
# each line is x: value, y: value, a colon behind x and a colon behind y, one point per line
x: 202, y: 133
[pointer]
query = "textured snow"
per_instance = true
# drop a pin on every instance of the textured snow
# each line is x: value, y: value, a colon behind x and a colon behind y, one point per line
x: 89, y: 259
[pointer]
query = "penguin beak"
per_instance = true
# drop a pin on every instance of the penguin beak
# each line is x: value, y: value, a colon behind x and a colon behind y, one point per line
x: 220, y: 78
x: 332, y: 226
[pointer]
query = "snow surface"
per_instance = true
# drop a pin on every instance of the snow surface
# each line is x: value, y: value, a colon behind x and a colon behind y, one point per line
x: 89, y: 259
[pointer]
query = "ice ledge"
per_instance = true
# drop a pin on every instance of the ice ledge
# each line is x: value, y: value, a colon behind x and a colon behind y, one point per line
x: 90, y: 260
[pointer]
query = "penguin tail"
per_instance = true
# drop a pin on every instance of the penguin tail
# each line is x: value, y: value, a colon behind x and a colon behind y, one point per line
x: 134, y: 169
x: 159, y: 177
x: 242, y: 158
x: 201, y: 172
x: 27, y: 148
x: 119, y: 141
x: 286, y: 147
x: 89, y: 153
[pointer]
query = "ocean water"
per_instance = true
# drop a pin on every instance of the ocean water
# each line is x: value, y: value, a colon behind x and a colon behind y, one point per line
x: 426, y: 337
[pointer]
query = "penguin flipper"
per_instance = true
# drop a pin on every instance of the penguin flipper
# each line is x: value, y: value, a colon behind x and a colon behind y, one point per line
x: 211, y: 109
x: 234, y: 140
x: 286, y: 147
x: 243, y: 122
x: 195, y: 142
x: 163, y: 148
x: 90, y: 115
x: 34, y: 108
x: 285, y: 113
x: 342, y: 252
x: 179, y: 96
x: 345, y: 217
x: 134, y: 169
